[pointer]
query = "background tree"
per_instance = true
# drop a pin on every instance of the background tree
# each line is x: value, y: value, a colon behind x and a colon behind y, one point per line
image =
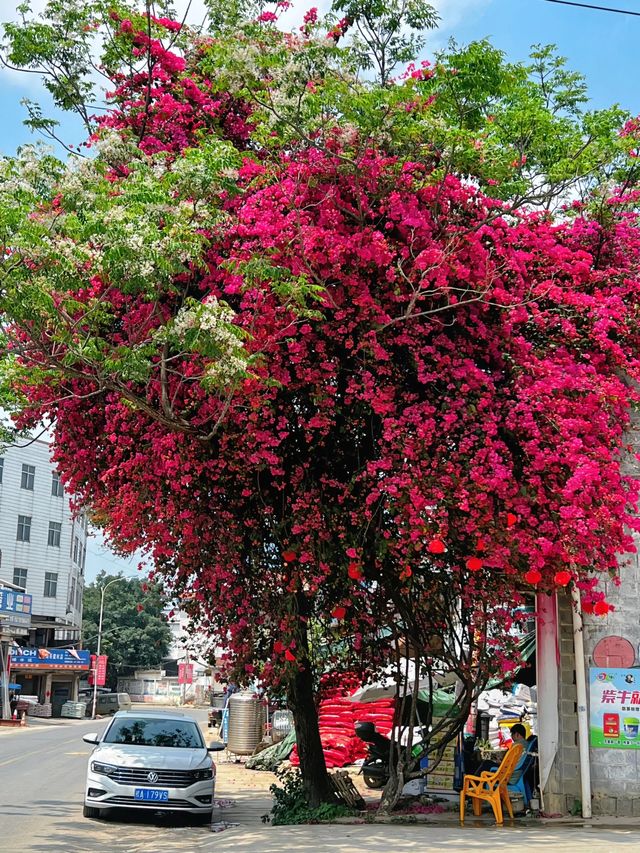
x: 135, y: 631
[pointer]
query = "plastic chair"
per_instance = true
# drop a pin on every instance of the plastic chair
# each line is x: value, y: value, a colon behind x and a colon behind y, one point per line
x: 491, y: 787
x: 518, y: 781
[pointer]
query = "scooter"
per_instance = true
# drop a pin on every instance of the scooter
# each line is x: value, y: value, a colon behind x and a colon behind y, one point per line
x: 375, y: 770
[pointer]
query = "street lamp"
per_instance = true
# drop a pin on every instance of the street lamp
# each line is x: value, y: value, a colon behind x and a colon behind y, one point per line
x: 95, y: 680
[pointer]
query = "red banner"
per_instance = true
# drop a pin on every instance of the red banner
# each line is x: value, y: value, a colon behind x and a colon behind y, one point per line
x: 185, y: 673
x: 98, y: 671
x: 101, y: 670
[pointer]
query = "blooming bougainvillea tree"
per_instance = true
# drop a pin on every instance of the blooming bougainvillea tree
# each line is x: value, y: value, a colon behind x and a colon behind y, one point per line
x: 300, y: 357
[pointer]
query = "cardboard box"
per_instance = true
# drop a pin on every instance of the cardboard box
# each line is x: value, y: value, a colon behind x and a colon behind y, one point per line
x: 440, y: 781
x: 445, y: 768
x: 449, y: 753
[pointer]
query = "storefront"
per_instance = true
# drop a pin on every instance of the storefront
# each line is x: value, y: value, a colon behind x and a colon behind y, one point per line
x: 50, y: 674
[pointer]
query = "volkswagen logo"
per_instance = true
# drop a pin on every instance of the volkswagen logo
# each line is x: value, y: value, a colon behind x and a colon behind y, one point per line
x: 152, y: 777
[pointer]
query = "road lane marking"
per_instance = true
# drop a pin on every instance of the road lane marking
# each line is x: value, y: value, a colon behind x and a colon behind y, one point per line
x: 38, y: 752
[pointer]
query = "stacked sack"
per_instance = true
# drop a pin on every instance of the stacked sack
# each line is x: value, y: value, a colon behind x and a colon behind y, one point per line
x: 337, y: 717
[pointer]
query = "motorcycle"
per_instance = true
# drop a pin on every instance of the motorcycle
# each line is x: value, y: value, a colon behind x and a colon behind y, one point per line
x: 375, y: 769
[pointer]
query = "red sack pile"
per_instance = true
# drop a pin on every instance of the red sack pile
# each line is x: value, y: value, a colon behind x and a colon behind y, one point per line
x: 337, y: 717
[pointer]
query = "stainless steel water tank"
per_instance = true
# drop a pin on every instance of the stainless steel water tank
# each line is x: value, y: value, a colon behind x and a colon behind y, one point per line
x: 281, y: 725
x: 245, y: 723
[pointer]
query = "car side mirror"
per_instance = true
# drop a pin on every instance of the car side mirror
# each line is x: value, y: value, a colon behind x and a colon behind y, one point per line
x: 91, y: 737
x: 216, y: 747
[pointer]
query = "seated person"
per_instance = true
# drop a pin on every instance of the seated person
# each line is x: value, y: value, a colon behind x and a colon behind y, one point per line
x: 519, y: 737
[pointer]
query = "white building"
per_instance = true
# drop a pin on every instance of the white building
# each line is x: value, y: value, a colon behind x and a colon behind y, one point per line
x: 42, y: 548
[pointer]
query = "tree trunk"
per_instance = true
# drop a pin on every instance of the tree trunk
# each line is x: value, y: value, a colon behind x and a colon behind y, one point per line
x: 312, y: 764
x: 393, y: 789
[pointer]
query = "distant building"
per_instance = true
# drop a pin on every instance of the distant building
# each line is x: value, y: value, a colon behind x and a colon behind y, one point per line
x: 42, y: 550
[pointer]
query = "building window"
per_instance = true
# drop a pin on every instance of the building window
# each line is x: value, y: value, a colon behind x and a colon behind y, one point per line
x: 28, y: 476
x: 50, y: 584
x: 20, y: 578
x: 72, y: 593
x: 55, y: 530
x: 78, y: 596
x: 1, y: 469
x: 56, y: 485
x: 24, y: 528
x: 76, y: 542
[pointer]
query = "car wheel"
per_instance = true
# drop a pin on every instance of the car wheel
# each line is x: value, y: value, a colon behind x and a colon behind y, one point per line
x: 91, y: 811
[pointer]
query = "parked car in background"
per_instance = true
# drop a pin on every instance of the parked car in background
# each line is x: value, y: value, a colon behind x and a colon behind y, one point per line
x: 150, y: 760
x: 109, y: 703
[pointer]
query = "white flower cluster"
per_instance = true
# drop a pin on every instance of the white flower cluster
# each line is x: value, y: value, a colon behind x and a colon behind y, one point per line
x: 216, y: 321
x: 112, y: 148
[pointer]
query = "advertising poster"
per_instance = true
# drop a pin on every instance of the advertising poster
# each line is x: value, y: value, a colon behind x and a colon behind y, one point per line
x: 614, y: 700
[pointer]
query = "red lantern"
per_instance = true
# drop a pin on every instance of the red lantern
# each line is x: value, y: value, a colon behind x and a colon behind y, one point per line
x: 339, y: 612
x: 436, y: 546
x: 533, y: 576
x: 354, y: 571
x: 289, y: 556
x: 289, y: 655
x: 562, y: 578
x: 601, y: 608
x: 474, y: 564
x: 511, y: 519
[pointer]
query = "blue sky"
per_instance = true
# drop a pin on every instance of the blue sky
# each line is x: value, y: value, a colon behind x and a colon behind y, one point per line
x: 601, y: 45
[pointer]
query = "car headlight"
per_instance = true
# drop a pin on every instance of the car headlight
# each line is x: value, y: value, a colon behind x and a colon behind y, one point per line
x: 104, y: 769
x: 199, y: 775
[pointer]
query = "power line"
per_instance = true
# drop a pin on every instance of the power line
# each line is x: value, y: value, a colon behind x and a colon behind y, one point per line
x: 592, y: 6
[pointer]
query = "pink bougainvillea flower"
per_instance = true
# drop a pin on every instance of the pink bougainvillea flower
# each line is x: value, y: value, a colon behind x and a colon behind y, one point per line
x: 278, y: 647
x: 139, y: 608
x: 533, y: 576
x: 562, y: 578
x: 474, y: 564
x: 436, y: 546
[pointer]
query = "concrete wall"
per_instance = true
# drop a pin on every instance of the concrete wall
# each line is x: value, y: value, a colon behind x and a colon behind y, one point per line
x: 615, y: 783
x: 563, y: 786
x: 615, y: 773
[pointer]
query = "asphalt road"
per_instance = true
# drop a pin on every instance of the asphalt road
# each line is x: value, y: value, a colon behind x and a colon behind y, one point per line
x: 42, y: 772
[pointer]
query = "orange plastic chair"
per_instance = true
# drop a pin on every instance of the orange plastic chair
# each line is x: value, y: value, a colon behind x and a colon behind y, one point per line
x: 491, y: 787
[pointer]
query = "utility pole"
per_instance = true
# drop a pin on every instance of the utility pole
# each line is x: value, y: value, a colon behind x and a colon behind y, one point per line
x: 95, y: 680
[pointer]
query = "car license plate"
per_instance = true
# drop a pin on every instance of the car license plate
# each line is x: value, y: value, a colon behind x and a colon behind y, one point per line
x: 151, y: 794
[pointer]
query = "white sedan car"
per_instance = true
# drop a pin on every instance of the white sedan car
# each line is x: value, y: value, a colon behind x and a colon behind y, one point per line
x: 150, y: 760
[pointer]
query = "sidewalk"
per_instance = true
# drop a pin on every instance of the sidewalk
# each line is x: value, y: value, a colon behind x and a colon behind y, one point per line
x: 246, y: 799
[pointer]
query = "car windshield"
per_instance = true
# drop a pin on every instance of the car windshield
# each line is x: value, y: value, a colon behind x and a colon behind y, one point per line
x: 147, y: 731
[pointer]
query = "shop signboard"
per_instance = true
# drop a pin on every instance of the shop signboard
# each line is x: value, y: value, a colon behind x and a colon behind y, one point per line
x: 51, y: 659
x: 15, y: 606
x: 185, y: 673
x: 614, y: 699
